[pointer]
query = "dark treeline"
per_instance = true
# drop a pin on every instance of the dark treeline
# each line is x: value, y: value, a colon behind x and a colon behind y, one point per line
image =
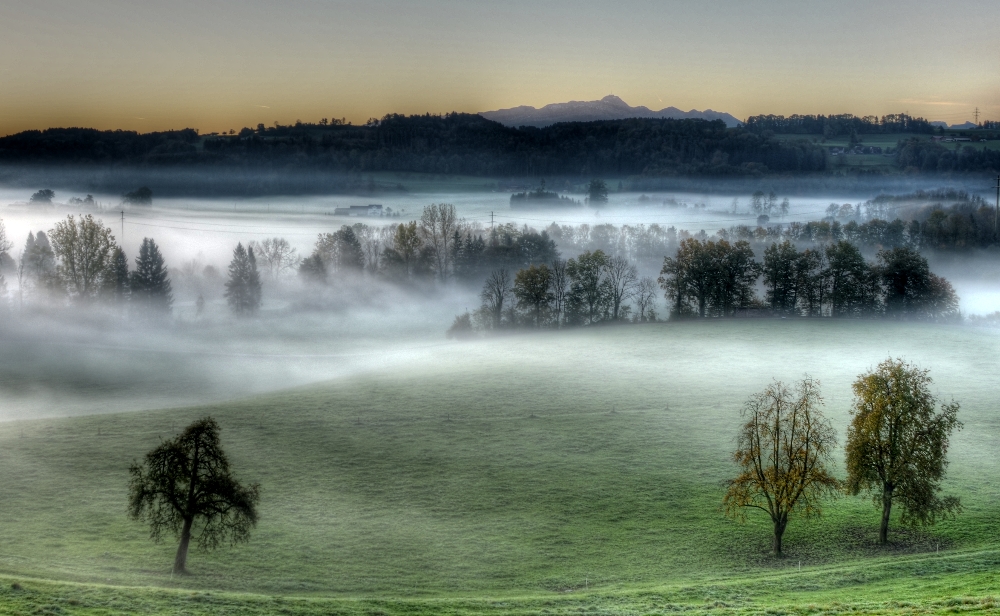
x: 718, y: 278
x: 931, y: 157
x: 450, y: 144
x: 437, y: 247
x: 89, y: 146
x: 836, y: 125
x: 715, y: 278
x: 968, y: 223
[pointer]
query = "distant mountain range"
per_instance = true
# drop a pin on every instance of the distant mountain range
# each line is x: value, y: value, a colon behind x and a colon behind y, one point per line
x: 965, y: 126
x: 608, y: 108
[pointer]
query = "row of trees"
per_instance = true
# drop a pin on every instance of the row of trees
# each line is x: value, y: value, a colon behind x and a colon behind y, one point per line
x: 896, y: 451
x: 439, y: 246
x: 80, y: 261
x: 455, y: 143
x: 917, y: 156
x: 835, y: 125
x: 585, y: 290
x: 719, y: 278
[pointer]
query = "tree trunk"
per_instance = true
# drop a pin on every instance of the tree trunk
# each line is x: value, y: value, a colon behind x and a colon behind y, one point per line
x: 883, y: 531
x: 779, y: 531
x: 182, y: 550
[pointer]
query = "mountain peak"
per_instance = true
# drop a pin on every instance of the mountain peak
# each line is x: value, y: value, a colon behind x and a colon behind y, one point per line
x: 610, y: 107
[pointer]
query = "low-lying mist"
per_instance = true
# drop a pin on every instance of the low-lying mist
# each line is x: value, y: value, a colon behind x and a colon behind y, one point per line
x: 60, y: 359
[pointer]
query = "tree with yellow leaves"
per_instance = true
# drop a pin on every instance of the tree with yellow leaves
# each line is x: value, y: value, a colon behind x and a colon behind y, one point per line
x: 783, y: 450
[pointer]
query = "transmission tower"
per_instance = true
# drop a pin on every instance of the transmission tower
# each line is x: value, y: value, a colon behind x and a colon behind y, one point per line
x: 976, y: 113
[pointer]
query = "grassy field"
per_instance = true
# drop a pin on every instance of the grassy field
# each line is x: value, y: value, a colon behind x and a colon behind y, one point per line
x: 574, y: 471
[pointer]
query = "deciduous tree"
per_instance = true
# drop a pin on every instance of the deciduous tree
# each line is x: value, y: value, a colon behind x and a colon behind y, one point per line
x: 276, y: 255
x: 185, y: 487
x: 43, y: 196
x: 532, y: 288
x: 622, y: 278
x: 782, y: 450
x: 438, y: 224
x: 779, y: 276
x: 645, y: 300
x: 897, y: 444
x: 83, y: 249
x: 495, y: 293
x: 588, y: 286
x: 404, y: 255
x: 733, y: 275
x: 559, y: 285
x: 851, y: 280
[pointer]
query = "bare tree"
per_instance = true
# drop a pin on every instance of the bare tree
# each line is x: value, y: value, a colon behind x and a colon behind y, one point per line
x: 621, y: 277
x: 495, y: 292
x: 560, y: 288
x: 438, y: 224
x: 645, y: 300
x: 277, y: 256
x: 373, y: 240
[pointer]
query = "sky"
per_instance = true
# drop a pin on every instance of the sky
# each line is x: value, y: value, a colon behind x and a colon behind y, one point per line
x: 223, y: 64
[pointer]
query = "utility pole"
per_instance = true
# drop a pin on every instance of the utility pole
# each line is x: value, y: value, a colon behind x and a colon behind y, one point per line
x: 123, y: 226
x: 491, y: 221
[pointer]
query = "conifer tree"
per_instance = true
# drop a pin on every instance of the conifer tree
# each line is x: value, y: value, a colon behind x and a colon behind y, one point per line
x: 150, y: 283
x: 120, y: 279
x: 243, y: 289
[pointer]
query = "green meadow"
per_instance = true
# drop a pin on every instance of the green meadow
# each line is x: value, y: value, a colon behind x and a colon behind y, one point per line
x: 563, y: 472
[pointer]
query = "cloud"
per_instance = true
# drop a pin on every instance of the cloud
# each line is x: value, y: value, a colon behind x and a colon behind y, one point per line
x: 914, y: 101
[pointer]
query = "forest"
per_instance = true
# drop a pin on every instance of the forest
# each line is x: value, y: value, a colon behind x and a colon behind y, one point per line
x: 835, y: 125
x: 468, y: 144
x: 451, y: 144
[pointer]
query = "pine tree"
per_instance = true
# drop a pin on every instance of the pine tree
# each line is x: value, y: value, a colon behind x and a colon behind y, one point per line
x: 150, y: 283
x: 120, y: 280
x: 243, y: 289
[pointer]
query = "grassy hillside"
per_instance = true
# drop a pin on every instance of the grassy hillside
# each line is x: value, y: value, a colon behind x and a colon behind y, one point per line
x: 583, y: 464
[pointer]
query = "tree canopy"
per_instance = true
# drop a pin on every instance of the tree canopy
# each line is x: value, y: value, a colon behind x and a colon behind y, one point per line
x: 783, y: 450
x: 185, y: 487
x: 897, y: 444
x: 83, y: 249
